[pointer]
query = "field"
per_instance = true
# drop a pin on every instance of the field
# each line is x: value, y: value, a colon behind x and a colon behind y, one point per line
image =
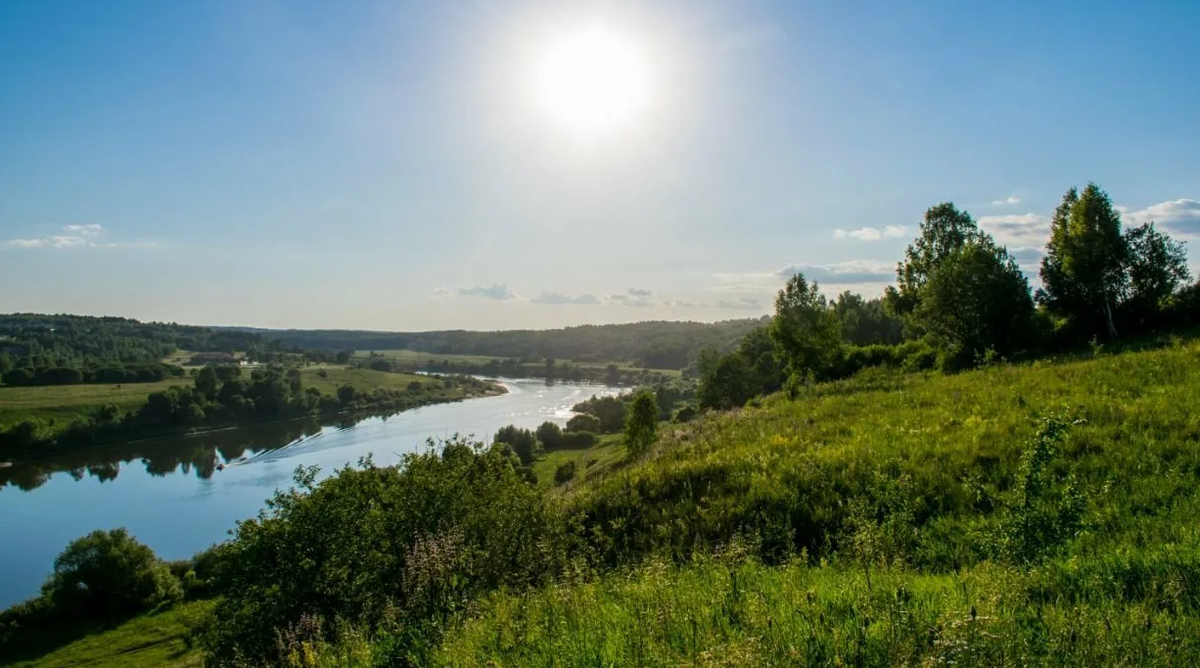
x: 417, y: 359
x: 64, y: 403
x: 363, y: 379
x: 154, y: 640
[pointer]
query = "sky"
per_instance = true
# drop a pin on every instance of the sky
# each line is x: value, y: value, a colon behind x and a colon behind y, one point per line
x: 394, y: 166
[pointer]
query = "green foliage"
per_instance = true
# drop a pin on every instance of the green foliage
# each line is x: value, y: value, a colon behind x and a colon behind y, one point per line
x: 522, y: 441
x: 805, y: 331
x: 867, y: 322
x: 395, y: 550
x: 641, y: 427
x: 609, y: 410
x: 109, y: 575
x: 584, y: 423
x: 550, y: 435
x: 944, y: 231
x: 1157, y: 269
x: 976, y: 299
x: 1047, y: 505
x: 1084, y: 270
x: 565, y: 472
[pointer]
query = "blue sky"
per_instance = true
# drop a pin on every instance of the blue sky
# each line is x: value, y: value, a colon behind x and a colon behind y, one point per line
x: 380, y: 165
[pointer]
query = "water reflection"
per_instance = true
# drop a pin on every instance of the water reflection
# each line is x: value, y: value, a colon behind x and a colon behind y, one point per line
x: 201, y: 454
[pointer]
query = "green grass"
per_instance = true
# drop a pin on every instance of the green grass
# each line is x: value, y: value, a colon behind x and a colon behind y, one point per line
x: 414, y: 357
x: 154, y: 640
x: 590, y: 463
x: 64, y: 403
x: 878, y: 506
x: 363, y: 379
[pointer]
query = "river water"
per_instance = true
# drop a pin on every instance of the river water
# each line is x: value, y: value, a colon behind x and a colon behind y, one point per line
x: 172, y: 495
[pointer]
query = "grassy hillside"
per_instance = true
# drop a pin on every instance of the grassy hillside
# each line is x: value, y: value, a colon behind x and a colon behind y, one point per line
x: 154, y: 640
x: 894, y: 507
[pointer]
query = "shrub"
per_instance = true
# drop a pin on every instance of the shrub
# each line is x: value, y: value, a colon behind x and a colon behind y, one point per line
x: 550, y: 435
x: 641, y: 427
x: 577, y: 440
x: 584, y: 422
x: 397, y: 548
x: 522, y: 441
x: 109, y: 575
x: 564, y: 473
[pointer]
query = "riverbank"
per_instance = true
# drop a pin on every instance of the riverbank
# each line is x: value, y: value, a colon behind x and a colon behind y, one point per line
x: 310, y: 392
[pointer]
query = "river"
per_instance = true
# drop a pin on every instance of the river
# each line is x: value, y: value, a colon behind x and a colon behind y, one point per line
x: 172, y: 495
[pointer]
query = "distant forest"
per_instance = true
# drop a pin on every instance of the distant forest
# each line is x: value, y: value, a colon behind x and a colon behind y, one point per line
x: 653, y: 344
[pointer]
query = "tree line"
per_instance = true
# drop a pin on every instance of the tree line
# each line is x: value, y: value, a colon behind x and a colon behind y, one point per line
x: 961, y: 300
x: 221, y: 395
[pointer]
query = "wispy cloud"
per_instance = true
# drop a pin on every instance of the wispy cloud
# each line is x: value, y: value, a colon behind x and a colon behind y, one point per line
x: 1008, y: 201
x: 872, y: 233
x: 1180, y: 216
x: 850, y: 271
x: 559, y: 298
x: 743, y: 304
x: 640, y: 292
x: 494, y: 291
x: 77, y: 236
x: 1022, y: 230
x: 84, y: 230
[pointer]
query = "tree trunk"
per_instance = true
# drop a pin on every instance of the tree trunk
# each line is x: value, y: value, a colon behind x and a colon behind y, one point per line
x: 1112, y: 329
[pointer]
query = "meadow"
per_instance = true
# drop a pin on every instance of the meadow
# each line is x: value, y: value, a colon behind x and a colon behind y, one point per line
x: 64, y: 403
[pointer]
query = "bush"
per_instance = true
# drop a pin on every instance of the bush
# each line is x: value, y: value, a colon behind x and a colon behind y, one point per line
x: 577, y: 440
x: 550, y: 435
x: 398, y: 548
x: 522, y: 441
x: 109, y: 575
x: 584, y: 422
x: 564, y: 473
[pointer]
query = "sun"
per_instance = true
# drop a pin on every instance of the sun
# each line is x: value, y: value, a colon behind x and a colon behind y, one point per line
x: 592, y: 81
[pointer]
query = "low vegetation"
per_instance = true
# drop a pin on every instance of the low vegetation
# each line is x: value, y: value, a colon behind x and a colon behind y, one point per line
x: 987, y: 493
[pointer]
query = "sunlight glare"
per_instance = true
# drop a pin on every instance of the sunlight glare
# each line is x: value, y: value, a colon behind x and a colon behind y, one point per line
x: 592, y: 81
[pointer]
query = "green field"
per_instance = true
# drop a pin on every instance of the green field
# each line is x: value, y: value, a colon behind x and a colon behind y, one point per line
x: 363, y: 379
x: 64, y: 403
x: 154, y: 640
x: 417, y: 359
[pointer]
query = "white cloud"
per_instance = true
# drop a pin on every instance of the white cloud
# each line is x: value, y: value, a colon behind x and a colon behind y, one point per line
x: 559, y: 298
x: 872, y: 233
x: 494, y: 291
x: 77, y: 236
x: 27, y: 243
x: 640, y: 292
x: 441, y: 292
x: 850, y: 271
x: 1181, y: 216
x: 85, y: 230
x: 1008, y: 201
x: 1019, y: 229
x: 68, y: 242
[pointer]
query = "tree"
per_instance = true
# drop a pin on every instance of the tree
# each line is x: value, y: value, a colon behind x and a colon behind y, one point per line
x: 522, y: 441
x: 549, y: 435
x: 6, y: 362
x: 641, y: 427
x: 1157, y: 267
x: 805, y: 331
x: 110, y: 575
x: 976, y: 300
x: 944, y: 230
x: 726, y: 385
x: 584, y: 422
x: 207, y: 382
x: 1083, y: 272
